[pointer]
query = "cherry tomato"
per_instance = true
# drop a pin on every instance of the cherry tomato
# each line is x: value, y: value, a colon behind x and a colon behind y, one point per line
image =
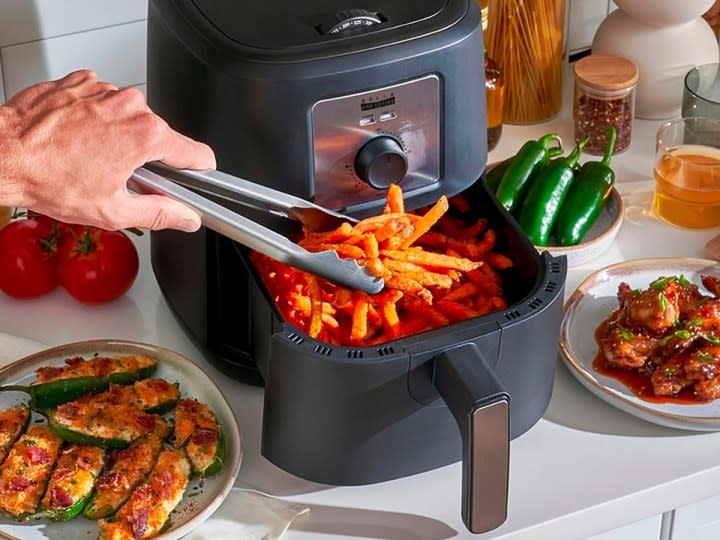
x: 28, y: 259
x: 62, y: 230
x: 98, y: 265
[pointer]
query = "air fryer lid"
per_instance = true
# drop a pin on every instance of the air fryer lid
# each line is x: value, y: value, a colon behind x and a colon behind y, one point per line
x: 279, y: 24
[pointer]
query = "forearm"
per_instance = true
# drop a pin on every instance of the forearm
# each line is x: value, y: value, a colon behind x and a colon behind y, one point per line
x: 13, y: 187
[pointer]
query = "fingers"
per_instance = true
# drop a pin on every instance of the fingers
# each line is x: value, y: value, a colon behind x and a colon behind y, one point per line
x: 185, y: 153
x: 153, y: 212
x: 177, y: 150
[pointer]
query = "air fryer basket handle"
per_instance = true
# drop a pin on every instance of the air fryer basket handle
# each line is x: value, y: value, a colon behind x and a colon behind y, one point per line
x: 481, y: 407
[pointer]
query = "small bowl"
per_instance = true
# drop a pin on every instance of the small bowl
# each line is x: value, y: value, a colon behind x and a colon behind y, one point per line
x: 598, y: 239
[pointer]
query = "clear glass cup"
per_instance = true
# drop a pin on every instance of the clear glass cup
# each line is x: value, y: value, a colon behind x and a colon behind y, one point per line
x: 687, y: 172
x: 701, y: 91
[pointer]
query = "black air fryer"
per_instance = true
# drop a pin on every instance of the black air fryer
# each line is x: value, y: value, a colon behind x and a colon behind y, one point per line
x: 333, y: 101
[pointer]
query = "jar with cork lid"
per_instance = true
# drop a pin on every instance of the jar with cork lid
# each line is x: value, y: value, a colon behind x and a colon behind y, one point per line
x: 604, y: 95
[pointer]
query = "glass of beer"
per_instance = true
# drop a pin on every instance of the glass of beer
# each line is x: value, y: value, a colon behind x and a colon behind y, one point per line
x: 687, y: 172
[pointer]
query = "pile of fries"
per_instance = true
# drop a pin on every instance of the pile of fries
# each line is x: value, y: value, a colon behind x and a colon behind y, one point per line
x: 438, y: 269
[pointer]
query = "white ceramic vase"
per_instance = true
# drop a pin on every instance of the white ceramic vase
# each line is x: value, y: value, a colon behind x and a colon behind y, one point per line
x: 665, y: 39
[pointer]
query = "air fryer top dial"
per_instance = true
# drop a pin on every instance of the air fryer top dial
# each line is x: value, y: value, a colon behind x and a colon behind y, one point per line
x: 351, y: 19
x: 381, y: 162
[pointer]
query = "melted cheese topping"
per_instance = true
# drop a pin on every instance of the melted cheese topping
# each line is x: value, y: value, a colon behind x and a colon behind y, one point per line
x: 131, y: 466
x: 25, y: 472
x: 12, y: 423
x: 144, y: 394
x: 98, y: 366
x: 148, y: 509
x: 191, y: 415
x: 109, y: 420
x: 74, y: 476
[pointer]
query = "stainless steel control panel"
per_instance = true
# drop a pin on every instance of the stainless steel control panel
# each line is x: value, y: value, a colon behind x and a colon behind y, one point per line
x: 409, y: 112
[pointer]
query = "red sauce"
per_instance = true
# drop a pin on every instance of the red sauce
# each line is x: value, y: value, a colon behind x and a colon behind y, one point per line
x: 638, y: 384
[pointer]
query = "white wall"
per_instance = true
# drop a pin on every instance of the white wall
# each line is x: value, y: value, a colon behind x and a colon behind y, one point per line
x: 585, y: 17
x: 46, y: 39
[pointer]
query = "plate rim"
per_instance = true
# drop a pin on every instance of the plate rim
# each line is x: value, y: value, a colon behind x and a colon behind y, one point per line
x: 232, y: 434
x: 609, y: 395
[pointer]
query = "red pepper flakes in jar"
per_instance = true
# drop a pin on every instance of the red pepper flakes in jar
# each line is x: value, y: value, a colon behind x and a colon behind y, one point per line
x: 604, y: 96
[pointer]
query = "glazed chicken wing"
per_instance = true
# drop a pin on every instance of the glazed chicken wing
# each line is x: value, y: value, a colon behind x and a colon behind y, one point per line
x: 669, y: 332
x: 626, y: 349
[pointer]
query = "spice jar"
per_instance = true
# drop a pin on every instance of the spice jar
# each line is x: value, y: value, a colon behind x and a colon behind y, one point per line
x: 604, y: 96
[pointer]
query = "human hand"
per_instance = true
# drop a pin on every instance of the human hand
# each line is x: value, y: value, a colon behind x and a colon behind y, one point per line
x: 68, y: 147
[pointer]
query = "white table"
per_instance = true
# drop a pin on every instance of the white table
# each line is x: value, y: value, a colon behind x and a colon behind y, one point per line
x: 583, y: 469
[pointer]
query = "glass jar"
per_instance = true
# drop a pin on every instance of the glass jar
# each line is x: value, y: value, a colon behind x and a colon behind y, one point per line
x: 527, y: 40
x: 604, y: 95
x: 494, y: 89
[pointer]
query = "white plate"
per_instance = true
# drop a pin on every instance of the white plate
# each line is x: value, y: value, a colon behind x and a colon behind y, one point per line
x: 591, y: 302
x: 201, y: 498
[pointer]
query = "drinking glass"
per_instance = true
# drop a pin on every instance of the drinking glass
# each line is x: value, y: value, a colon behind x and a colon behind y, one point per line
x: 687, y: 172
x: 701, y: 91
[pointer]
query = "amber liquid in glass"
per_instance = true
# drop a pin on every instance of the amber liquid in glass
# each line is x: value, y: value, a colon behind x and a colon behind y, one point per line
x: 4, y: 216
x: 495, y: 92
x: 687, y: 190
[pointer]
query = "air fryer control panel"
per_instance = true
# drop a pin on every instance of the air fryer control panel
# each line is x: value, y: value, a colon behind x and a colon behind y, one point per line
x: 363, y: 142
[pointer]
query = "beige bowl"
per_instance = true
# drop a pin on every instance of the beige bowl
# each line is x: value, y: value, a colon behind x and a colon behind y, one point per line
x: 598, y: 239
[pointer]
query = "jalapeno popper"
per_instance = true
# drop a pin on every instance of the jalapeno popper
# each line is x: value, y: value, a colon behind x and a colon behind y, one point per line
x: 197, y: 431
x: 129, y: 467
x: 13, y: 423
x: 109, y: 425
x: 54, y: 385
x: 149, y: 395
x: 26, y: 471
x: 72, y: 481
x: 146, y: 513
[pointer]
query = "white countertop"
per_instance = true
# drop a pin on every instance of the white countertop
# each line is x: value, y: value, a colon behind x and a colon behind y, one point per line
x: 585, y: 467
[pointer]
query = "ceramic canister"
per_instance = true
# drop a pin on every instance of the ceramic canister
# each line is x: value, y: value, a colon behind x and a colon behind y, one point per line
x: 663, y: 51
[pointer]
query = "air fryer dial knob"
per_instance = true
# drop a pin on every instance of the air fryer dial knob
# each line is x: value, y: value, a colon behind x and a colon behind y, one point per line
x: 350, y: 19
x: 381, y: 162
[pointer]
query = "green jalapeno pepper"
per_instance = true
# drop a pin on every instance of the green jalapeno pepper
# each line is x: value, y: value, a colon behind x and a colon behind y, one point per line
x: 542, y: 203
x: 495, y: 175
x: 587, y: 197
x: 532, y: 156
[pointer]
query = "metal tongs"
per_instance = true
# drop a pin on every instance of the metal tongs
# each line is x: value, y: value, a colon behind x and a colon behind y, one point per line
x: 169, y: 181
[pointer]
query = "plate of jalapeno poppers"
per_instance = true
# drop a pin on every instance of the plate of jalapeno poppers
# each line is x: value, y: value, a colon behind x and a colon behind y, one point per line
x: 112, y: 440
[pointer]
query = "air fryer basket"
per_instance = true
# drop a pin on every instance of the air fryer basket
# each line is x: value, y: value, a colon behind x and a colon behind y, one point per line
x: 333, y: 413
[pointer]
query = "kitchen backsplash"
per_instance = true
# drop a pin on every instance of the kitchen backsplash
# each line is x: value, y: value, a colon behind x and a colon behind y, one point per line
x: 45, y: 39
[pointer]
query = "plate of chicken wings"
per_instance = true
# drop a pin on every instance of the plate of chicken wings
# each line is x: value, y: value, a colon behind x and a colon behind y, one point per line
x: 644, y: 336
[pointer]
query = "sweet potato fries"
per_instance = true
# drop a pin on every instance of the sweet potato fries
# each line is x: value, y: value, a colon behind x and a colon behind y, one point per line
x: 438, y: 269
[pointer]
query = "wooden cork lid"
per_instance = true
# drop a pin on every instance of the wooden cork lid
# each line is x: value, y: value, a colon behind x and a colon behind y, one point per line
x: 606, y: 72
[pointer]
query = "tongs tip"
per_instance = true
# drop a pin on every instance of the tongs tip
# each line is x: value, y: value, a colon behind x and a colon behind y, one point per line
x: 345, y: 272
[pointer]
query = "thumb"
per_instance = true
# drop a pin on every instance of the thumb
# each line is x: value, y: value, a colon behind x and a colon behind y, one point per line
x: 156, y: 212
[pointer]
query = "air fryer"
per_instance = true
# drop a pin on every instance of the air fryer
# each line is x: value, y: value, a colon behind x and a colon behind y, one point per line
x: 333, y: 101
